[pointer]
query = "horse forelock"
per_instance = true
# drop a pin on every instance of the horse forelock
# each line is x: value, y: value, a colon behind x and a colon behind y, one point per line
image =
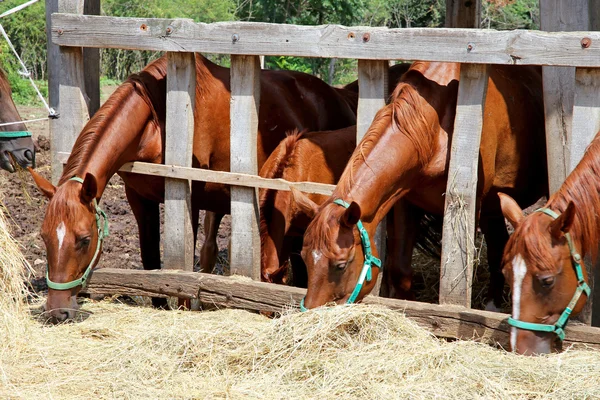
x: 531, y: 242
x: 319, y: 233
x: 407, y: 116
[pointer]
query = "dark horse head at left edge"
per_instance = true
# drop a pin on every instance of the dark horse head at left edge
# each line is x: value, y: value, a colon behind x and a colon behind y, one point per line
x: 16, y: 144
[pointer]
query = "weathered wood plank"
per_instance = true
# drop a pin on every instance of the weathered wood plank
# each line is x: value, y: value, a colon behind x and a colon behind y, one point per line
x: 181, y: 90
x: 226, y: 178
x: 458, y: 233
x: 559, y: 87
x: 372, y: 96
x: 463, y: 14
x: 427, y: 44
x: 53, y: 59
x: 72, y: 105
x: 91, y: 59
x: 244, y: 251
x: 239, y: 292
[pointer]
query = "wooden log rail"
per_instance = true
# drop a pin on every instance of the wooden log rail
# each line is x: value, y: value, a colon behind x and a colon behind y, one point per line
x: 446, y: 321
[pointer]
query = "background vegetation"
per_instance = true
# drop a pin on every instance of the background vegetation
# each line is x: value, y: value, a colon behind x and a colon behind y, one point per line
x: 26, y: 29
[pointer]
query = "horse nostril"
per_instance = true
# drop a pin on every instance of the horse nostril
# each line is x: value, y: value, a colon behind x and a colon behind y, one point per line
x: 28, y: 155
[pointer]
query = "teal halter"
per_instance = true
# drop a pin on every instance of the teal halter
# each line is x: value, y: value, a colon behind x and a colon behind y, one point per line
x: 14, y: 134
x: 370, y: 260
x: 582, y: 287
x: 102, y: 233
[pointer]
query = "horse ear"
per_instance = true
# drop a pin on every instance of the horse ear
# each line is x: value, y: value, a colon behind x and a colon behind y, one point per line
x: 563, y: 223
x: 511, y: 210
x: 352, y: 215
x: 306, y: 205
x: 89, y: 188
x: 45, y: 187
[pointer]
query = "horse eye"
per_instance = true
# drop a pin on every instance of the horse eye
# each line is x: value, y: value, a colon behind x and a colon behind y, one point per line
x: 341, y: 265
x: 83, y: 242
x: 547, y: 282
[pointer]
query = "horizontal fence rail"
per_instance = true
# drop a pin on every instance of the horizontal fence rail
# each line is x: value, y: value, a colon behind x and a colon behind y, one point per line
x: 226, y: 178
x: 479, y: 46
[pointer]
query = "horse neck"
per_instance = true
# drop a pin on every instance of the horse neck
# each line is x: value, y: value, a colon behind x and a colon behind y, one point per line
x: 8, y: 110
x: 123, y: 130
x: 582, y: 187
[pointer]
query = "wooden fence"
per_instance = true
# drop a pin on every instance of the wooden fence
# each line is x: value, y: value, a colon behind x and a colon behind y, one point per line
x: 475, y: 48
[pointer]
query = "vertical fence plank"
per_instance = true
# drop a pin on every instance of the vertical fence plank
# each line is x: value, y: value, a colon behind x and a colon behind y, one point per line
x: 245, y: 102
x: 559, y: 88
x: 181, y: 90
x: 372, y: 96
x: 458, y: 236
x: 91, y: 59
x: 72, y: 106
x: 586, y: 123
x: 463, y: 14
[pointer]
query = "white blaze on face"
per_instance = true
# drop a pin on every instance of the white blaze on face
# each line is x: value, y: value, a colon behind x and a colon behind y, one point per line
x: 316, y: 256
x: 60, y: 234
x: 519, y: 271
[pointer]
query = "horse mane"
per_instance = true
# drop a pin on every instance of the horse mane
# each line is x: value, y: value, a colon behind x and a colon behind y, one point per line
x: 283, y: 156
x: 582, y: 187
x: 407, y: 116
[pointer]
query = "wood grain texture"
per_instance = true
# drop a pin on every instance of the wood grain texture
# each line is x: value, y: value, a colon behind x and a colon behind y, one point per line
x: 559, y: 87
x: 53, y: 57
x: 458, y: 235
x: 329, y: 41
x: 239, y: 292
x: 72, y: 98
x: 463, y: 14
x: 91, y: 60
x: 226, y: 178
x: 244, y: 256
x: 181, y: 89
x: 372, y: 96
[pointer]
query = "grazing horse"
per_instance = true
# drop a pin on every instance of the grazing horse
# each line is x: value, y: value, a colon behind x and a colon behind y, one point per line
x: 315, y: 157
x: 405, y: 153
x: 543, y: 257
x: 130, y: 127
x: 16, y: 144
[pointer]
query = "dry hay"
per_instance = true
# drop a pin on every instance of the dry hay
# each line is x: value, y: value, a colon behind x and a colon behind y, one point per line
x: 129, y: 352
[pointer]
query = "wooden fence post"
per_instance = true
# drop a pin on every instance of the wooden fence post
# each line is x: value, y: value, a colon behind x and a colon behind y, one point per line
x: 372, y: 96
x: 245, y: 102
x: 91, y: 60
x: 463, y: 14
x: 181, y: 91
x: 458, y: 236
x: 72, y: 106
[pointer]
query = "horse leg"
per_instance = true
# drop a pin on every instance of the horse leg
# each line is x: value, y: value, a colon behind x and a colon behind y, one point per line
x: 210, y: 249
x: 402, y: 225
x: 146, y: 214
x: 496, y: 236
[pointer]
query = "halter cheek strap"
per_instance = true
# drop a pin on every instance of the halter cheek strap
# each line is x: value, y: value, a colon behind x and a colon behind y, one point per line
x: 102, y: 233
x: 370, y: 260
x: 582, y: 287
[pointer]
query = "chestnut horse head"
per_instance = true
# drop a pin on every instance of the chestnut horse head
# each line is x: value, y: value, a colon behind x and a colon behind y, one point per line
x: 543, y: 258
x: 16, y: 144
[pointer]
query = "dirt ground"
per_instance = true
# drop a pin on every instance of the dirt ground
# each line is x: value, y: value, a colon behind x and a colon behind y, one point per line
x: 26, y: 206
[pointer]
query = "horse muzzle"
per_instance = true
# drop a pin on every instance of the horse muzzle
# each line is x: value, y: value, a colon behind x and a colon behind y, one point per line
x: 60, y: 307
x: 24, y: 158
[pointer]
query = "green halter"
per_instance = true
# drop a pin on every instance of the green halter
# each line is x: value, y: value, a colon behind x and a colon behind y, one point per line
x: 582, y: 287
x: 370, y: 260
x: 102, y: 233
x: 14, y: 134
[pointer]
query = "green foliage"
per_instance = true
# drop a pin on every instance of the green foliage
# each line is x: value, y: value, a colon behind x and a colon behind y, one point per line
x: 510, y: 14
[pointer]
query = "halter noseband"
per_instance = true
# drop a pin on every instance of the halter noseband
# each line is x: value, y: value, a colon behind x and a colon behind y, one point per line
x: 14, y: 134
x: 370, y: 260
x: 102, y: 233
x: 582, y: 287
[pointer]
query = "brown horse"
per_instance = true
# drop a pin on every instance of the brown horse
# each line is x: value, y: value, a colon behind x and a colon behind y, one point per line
x: 405, y: 154
x: 315, y: 157
x: 538, y: 262
x: 16, y: 144
x: 130, y: 127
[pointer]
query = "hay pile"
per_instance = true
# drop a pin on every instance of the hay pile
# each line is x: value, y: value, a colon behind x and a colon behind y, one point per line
x: 347, y: 352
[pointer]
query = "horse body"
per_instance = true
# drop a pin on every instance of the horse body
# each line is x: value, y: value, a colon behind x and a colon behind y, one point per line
x: 538, y: 262
x: 130, y: 127
x: 405, y: 153
x: 13, y: 149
